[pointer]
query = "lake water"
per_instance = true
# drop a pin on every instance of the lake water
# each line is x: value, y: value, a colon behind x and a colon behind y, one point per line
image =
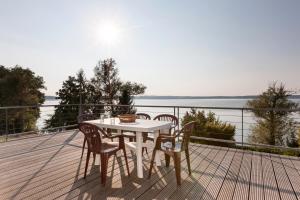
x: 230, y: 116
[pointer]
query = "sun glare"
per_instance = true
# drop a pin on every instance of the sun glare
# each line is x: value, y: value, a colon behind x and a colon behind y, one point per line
x: 109, y: 33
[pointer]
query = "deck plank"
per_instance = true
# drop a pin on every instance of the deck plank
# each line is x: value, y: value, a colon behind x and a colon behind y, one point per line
x: 51, y: 167
x: 243, y: 182
x: 140, y: 187
x: 216, y: 182
x: 256, y: 191
x: 200, y: 186
x: 228, y: 186
x: 171, y: 187
x: 188, y: 183
x: 286, y: 190
x: 161, y: 186
x: 269, y: 180
x: 293, y: 174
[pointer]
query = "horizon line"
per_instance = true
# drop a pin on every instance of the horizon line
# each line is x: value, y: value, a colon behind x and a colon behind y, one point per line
x: 192, y: 97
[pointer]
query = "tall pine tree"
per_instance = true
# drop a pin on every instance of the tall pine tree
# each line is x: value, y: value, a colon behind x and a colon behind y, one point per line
x: 274, y: 126
x: 107, y: 81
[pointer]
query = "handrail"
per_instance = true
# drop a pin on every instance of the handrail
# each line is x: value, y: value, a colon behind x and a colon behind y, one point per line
x: 157, y: 106
x: 174, y: 109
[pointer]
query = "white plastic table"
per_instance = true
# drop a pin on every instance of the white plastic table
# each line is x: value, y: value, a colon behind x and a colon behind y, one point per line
x: 139, y: 127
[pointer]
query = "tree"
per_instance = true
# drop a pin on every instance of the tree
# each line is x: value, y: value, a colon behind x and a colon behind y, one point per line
x: 208, y: 126
x: 128, y: 90
x: 107, y: 81
x: 75, y: 90
x: 125, y: 99
x: 21, y: 87
x: 104, y: 88
x: 133, y: 88
x: 274, y: 125
x: 298, y: 136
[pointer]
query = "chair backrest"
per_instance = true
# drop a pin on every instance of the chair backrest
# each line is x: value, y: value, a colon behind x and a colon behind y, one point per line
x: 143, y: 116
x: 86, y: 117
x: 168, y: 118
x: 187, y: 131
x: 93, y: 136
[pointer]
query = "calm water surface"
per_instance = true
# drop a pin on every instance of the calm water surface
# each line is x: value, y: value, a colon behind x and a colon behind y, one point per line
x: 233, y: 117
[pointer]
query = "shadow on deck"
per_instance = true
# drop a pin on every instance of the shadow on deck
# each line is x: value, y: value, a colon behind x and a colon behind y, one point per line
x: 51, y: 167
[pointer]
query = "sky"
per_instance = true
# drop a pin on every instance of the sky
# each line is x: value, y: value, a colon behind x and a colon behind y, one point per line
x: 195, y: 48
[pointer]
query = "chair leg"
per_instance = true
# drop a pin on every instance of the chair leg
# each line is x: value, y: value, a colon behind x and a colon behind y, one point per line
x: 126, y: 161
x: 87, y: 162
x: 104, y: 163
x: 94, y: 157
x: 187, y: 156
x: 144, y: 149
x: 167, y: 158
x: 130, y: 139
x: 177, y: 160
x: 152, y: 161
x: 83, y: 146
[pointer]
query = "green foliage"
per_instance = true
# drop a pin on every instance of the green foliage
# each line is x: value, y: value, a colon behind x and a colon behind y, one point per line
x: 20, y: 87
x: 133, y: 88
x: 274, y: 127
x: 104, y: 88
x: 210, y: 127
x: 107, y: 81
x: 125, y: 99
x: 75, y: 90
x: 287, y: 152
x: 2, y: 139
x: 298, y: 133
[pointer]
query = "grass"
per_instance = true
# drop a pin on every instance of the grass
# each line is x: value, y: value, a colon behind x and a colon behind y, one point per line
x: 274, y: 151
x: 287, y: 152
x: 2, y: 139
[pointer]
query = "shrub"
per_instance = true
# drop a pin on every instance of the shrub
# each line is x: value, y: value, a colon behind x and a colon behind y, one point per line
x: 208, y: 126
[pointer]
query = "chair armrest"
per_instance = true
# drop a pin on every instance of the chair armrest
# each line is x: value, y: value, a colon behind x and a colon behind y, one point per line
x: 169, y: 138
x: 163, y: 136
x: 176, y: 133
x: 113, y: 136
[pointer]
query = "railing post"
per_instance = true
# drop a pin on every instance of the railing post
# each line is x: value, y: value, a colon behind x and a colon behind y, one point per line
x: 178, y: 118
x: 242, y: 126
x: 79, y: 108
x: 174, y: 111
x: 6, y: 124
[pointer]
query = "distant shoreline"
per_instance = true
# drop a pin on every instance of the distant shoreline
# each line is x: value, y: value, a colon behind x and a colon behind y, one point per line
x: 191, y: 97
x: 206, y: 97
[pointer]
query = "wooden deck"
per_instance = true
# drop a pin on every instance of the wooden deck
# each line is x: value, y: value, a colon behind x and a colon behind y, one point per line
x: 51, y: 167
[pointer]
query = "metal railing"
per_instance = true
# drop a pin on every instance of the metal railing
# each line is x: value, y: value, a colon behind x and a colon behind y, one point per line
x: 14, y: 119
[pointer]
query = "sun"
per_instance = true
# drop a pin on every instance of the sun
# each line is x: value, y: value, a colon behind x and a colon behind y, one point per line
x: 109, y: 33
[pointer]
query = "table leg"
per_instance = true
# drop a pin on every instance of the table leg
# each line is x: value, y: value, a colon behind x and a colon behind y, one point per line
x: 157, y: 156
x: 139, y: 156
